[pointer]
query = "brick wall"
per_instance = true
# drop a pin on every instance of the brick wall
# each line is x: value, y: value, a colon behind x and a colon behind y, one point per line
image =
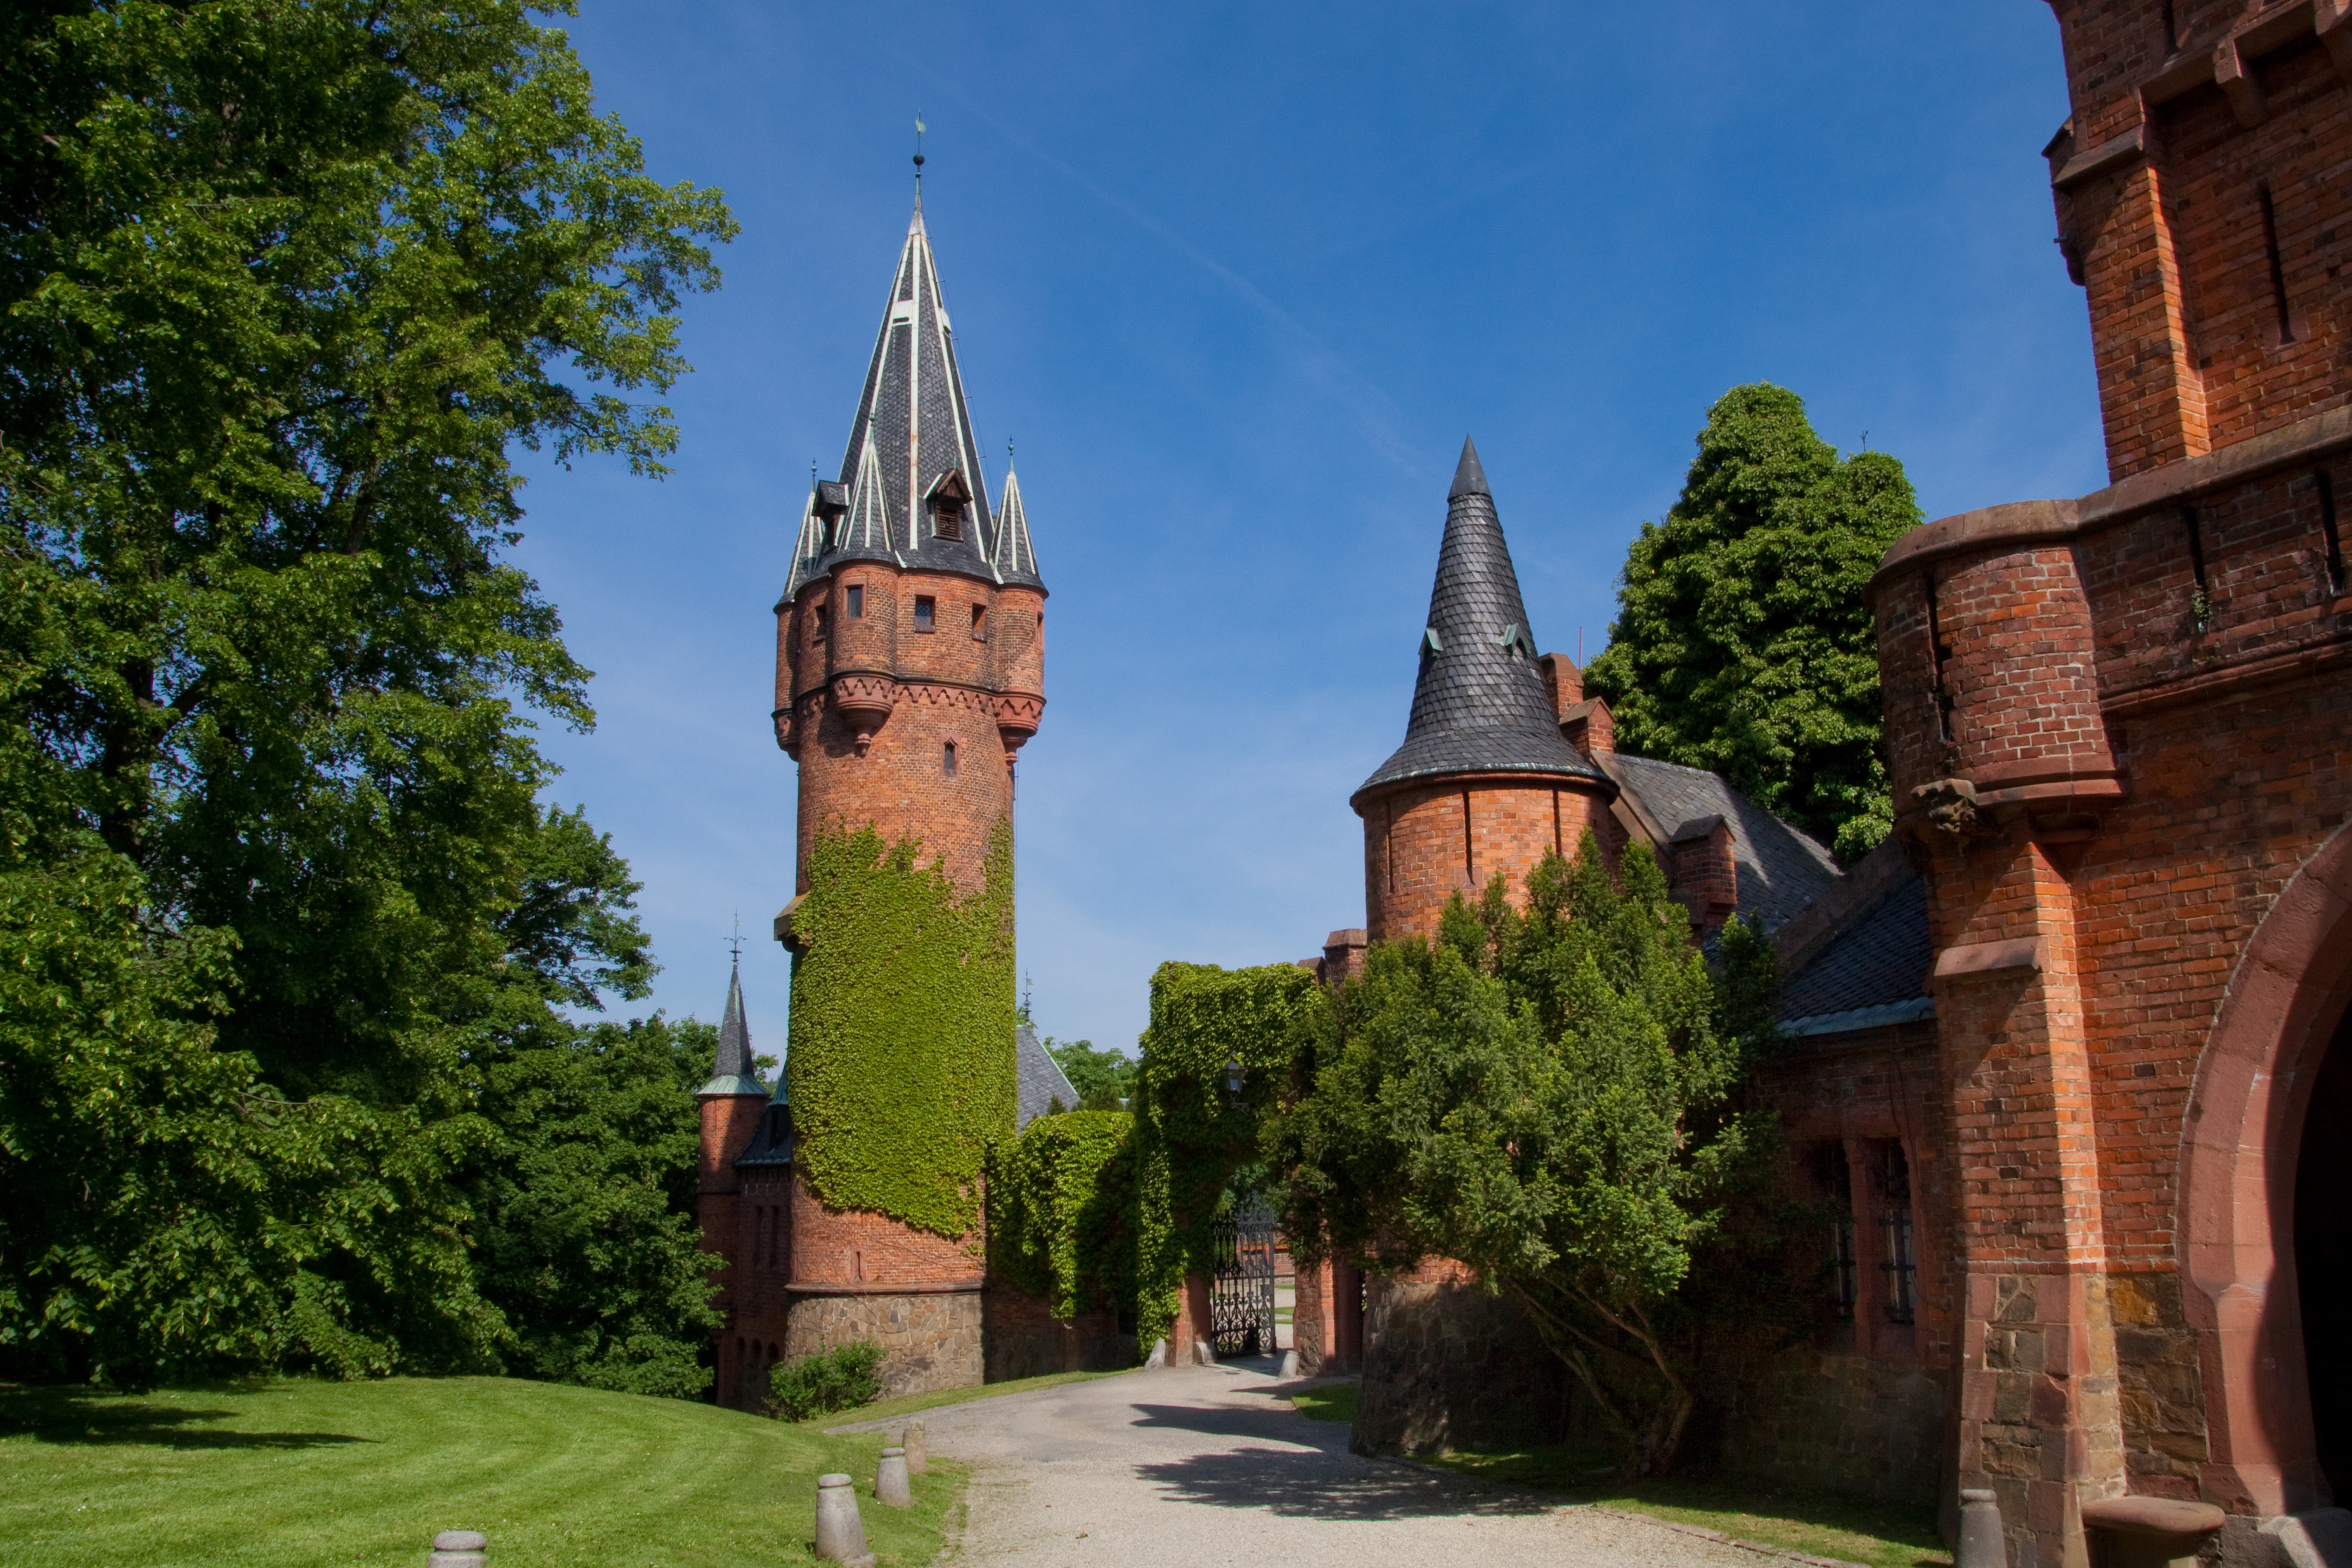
x: 1426, y: 841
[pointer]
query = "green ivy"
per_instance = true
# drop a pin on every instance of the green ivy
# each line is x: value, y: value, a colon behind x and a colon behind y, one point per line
x: 1191, y: 1136
x: 901, y: 1063
x: 1061, y: 1211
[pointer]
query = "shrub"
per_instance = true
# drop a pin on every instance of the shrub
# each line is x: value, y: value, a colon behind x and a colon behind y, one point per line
x: 839, y: 1379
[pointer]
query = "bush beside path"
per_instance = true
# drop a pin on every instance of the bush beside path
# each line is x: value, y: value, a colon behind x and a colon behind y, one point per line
x: 277, y: 1474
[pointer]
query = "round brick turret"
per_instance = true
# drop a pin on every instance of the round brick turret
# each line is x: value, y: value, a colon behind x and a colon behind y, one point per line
x: 1485, y: 783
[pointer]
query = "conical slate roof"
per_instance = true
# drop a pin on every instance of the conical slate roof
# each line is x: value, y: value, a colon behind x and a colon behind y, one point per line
x: 911, y: 433
x: 731, y: 1073
x: 1480, y: 705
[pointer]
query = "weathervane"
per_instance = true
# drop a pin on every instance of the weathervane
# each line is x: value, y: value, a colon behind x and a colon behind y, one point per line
x: 734, y: 944
x: 919, y: 153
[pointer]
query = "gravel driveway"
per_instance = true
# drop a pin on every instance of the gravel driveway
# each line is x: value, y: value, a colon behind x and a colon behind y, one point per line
x: 1203, y: 1465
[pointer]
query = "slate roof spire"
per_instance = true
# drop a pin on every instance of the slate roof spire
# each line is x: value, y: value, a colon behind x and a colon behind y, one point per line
x: 1480, y: 705
x: 732, y: 1072
x: 894, y: 501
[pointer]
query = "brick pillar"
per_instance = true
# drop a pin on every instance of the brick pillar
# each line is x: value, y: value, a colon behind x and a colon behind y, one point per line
x: 2040, y: 1410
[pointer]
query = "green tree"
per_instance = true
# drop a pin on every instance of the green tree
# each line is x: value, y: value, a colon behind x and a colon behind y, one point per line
x: 1741, y: 643
x: 1105, y: 1078
x: 284, y: 289
x: 1544, y: 1096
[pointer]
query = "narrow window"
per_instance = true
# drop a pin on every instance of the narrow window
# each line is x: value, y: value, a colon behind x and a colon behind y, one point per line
x: 2200, y: 601
x: 1902, y: 1263
x: 1836, y: 1177
x: 980, y: 623
x: 948, y: 760
x: 2171, y: 31
x: 2334, y: 534
x: 822, y: 617
x: 1469, y: 859
x: 1388, y: 839
x: 1937, y: 654
x: 856, y: 597
x: 2278, y: 267
x: 926, y: 612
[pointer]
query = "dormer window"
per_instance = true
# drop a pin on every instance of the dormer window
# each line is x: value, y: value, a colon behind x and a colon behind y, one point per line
x: 926, y: 613
x: 856, y: 597
x: 946, y: 500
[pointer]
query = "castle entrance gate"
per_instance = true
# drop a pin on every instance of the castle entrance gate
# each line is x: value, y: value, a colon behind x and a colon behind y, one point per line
x: 1240, y: 1293
x: 2322, y: 1257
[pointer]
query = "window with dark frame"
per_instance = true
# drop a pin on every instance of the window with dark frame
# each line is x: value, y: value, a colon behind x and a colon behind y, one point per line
x: 1902, y: 1265
x: 856, y: 597
x: 926, y: 613
x: 1834, y: 1175
x: 946, y: 520
x: 948, y: 759
x: 980, y: 623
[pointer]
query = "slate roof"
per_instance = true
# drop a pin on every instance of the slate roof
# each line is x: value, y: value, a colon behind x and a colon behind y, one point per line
x: 911, y: 429
x: 732, y: 1072
x: 772, y: 1141
x: 1780, y: 869
x: 1039, y: 1078
x: 1479, y: 704
x: 1873, y: 971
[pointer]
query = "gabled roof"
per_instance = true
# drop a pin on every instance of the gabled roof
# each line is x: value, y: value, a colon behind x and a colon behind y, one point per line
x: 912, y: 430
x: 732, y: 1072
x: 1867, y: 964
x: 1038, y: 1078
x: 1479, y: 704
x: 1780, y: 869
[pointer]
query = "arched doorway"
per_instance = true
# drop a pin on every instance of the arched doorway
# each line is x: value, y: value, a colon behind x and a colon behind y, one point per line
x: 2278, y: 1031
x: 2322, y: 1256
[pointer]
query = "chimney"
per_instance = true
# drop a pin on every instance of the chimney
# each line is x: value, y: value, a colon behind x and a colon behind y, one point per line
x: 1706, y: 879
x: 1343, y: 956
x: 1589, y: 729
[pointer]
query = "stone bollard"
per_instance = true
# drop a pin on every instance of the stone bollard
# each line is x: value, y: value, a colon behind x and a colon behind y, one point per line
x: 459, y: 1548
x: 911, y: 1440
x: 1203, y: 1353
x: 1981, y: 1545
x: 1289, y: 1364
x: 1158, y: 1356
x: 840, y: 1533
x: 890, y: 1487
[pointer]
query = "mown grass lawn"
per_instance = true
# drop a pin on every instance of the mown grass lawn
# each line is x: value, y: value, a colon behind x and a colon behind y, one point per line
x: 914, y: 1403
x: 261, y: 1475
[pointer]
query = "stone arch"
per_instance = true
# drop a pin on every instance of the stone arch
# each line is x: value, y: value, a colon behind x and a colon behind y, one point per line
x: 2238, y: 1159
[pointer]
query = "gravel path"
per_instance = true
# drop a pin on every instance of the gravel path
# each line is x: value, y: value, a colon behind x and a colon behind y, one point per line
x: 1204, y: 1466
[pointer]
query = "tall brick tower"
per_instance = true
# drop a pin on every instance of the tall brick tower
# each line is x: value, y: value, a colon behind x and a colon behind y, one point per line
x: 1484, y: 782
x: 909, y: 670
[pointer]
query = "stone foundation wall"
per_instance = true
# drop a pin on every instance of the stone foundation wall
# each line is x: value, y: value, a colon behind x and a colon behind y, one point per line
x: 1447, y: 1366
x: 1838, y: 1420
x: 2161, y: 1385
x: 1023, y: 1339
x: 929, y: 1341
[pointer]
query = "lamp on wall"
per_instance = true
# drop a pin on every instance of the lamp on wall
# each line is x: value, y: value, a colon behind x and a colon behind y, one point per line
x: 1234, y: 1082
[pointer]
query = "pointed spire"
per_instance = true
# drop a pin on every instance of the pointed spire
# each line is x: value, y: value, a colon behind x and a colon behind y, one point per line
x: 732, y: 1072
x: 1469, y: 478
x: 1012, y: 556
x: 912, y: 430
x: 1479, y: 705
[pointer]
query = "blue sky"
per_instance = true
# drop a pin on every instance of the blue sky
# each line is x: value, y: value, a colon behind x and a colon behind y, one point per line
x: 1237, y: 279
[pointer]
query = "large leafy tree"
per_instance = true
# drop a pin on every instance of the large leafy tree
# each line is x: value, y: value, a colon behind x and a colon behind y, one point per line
x: 1546, y: 1094
x: 1741, y: 643
x: 284, y: 286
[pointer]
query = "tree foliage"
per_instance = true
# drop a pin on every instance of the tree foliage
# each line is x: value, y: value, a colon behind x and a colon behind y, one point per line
x: 1545, y: 1096
x: 284, y: 288
x: 1105, y: 1078
x: 1741, y: 643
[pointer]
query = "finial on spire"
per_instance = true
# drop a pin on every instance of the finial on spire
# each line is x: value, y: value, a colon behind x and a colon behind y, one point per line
x: 734, y: 944
x: 919, y: 128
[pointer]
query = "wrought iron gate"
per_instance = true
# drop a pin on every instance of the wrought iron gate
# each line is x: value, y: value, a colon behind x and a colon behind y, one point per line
x: 1240, y: 1296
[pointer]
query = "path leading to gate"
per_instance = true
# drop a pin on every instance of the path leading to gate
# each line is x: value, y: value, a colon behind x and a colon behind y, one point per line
x: 1204, y: 1466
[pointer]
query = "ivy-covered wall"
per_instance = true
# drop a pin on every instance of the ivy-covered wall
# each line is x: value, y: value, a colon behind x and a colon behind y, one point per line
x: 1191, y: 1136
x: 901, y: 1070
x: 1061, y: 1211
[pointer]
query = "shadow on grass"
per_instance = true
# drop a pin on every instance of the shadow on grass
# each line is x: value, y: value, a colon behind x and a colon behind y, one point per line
x: 1831, y: 1524
x: 88, y: 1417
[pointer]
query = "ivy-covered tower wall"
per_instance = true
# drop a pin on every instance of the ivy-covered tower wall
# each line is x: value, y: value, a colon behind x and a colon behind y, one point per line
x: 910, y: 671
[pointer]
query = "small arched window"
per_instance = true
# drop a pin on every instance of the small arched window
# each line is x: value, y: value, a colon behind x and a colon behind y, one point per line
x: 948, y: 759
